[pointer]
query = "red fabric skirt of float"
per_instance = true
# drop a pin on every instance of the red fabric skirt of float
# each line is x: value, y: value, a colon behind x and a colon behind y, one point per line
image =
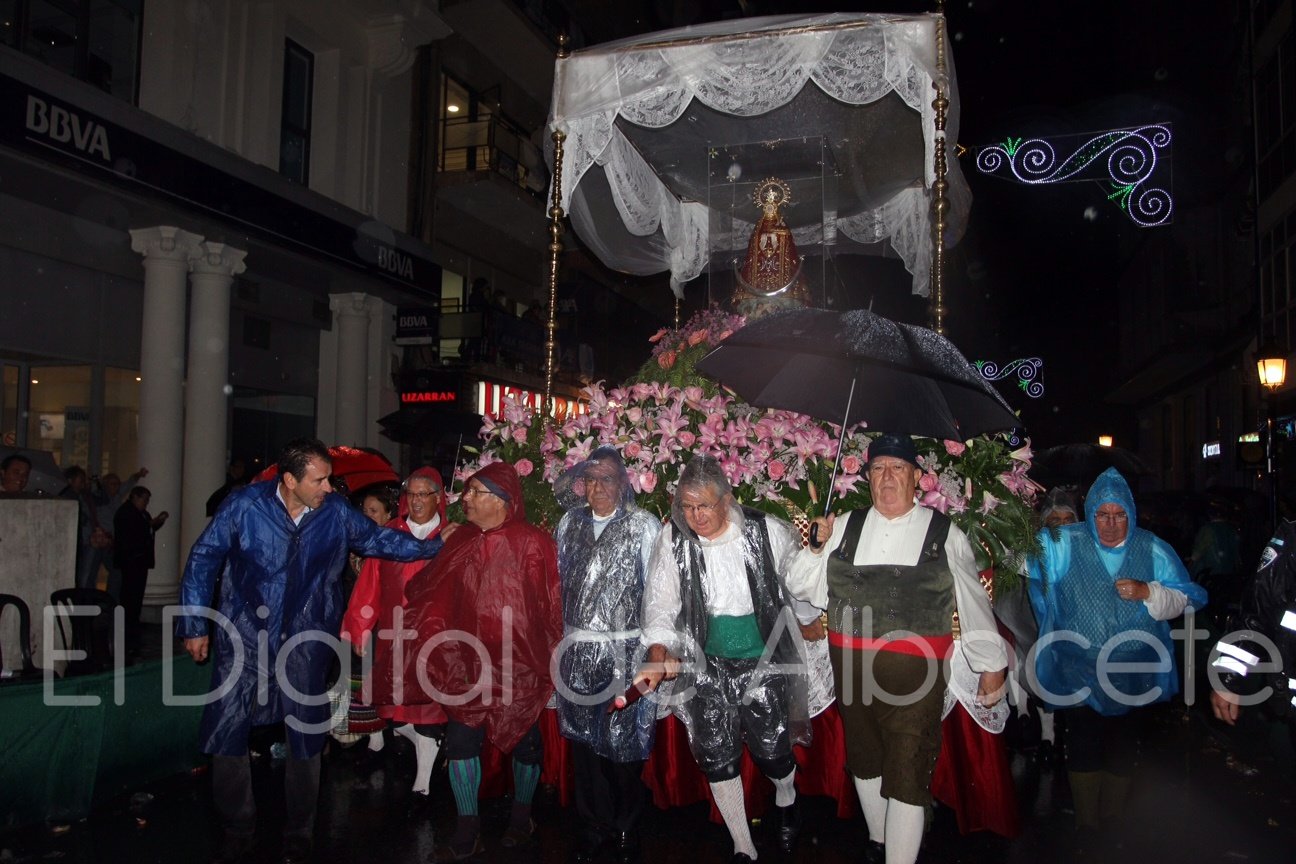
x: 972, y: 775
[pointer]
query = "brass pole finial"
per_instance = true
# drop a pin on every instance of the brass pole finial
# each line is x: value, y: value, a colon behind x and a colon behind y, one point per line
x: 563, y: 51
x: 555, y: 251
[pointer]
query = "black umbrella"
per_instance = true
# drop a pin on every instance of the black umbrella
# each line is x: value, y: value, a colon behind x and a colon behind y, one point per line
x: 1081, y: 463
x: 855, y: 366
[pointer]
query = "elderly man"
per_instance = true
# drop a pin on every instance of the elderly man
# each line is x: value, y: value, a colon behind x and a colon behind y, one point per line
x: 715, y: 610
x: 487, y: 616
x: 279, y: 547
x: 1103, y: 591
x: 891, y: 581
x: 604, y: 544
x: 379, y: 592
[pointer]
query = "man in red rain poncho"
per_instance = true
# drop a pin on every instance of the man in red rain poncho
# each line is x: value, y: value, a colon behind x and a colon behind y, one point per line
x: 378, y: 597
x: 491, y: 602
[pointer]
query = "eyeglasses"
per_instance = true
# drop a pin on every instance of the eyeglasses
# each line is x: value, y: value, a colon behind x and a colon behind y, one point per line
x: 473, y: 490
x: 1111, y: 517
x: 699, y: 509
x: 600, y: 479
x: 434, y: 491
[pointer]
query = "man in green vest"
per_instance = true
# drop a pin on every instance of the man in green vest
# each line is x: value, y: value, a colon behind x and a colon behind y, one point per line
x: 891, y: 581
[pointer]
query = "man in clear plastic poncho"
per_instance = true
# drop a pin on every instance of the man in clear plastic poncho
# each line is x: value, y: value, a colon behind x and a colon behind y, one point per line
x: 604, y: 543
x: 716, y: 613
x: 1103, y: 591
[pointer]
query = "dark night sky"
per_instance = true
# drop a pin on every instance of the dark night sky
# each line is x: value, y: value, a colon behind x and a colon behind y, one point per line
x: 1033, y: 275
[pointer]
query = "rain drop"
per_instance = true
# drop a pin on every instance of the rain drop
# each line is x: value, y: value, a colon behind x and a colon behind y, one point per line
x: 1091, y: 214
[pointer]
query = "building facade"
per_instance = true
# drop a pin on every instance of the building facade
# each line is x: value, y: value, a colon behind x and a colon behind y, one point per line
x: 217, y: 214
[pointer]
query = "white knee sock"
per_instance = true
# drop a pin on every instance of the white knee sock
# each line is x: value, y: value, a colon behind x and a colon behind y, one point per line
x: 375, y: 741
x: 425, y: 752
x: 904, y: 831
x: 406, y: 730
x: 874, y: 806
x: 728, y: 796
x: 785, y: 789
x: 1046, y: 726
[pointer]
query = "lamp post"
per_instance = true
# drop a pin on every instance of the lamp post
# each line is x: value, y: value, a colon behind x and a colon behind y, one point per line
x: 1271, y: 365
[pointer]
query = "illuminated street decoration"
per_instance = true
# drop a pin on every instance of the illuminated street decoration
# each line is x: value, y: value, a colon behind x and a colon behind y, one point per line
x: 1123, y: 161
x: 1027, y: 371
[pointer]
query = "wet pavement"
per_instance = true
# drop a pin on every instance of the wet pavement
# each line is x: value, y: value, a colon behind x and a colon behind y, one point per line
x: 1202, y: 793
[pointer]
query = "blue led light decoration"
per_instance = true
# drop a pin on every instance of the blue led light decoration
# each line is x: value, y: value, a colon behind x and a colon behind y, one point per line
x: 1124, y: 161
x: 1027, y: 371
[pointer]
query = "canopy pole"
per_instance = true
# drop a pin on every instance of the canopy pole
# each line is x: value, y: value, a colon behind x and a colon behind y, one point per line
x: 555, y: 251
x: 940, y: 204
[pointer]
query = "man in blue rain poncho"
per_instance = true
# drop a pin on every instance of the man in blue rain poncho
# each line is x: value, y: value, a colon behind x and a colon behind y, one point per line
x: 279, y: 547
x: 1103, y: 592
x: 715, y: 604
x: 604, y: 543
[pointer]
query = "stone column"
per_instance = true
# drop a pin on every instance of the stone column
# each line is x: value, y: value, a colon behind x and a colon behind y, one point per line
x: 351, y: 314
x: 166, y: 250
x: 207, y: 389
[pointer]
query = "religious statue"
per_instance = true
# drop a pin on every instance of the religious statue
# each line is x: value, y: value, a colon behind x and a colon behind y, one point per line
x: 770, y: 277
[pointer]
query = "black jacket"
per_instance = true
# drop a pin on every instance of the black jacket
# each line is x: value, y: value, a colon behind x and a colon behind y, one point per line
x: 1267, y: 621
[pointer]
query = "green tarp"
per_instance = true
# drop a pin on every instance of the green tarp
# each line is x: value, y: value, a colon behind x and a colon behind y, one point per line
x: 57, y: 760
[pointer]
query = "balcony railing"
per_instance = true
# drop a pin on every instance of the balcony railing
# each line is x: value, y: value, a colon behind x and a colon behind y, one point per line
x: 492, y: 144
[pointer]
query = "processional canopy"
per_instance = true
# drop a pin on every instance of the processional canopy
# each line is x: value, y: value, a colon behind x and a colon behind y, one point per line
x: 670, y: 137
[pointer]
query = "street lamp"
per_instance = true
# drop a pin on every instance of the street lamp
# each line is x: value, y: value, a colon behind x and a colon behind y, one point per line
x: 1271, y: 365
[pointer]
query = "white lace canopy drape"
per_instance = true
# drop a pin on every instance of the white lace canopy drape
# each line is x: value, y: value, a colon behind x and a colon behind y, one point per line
x: 617, y: 103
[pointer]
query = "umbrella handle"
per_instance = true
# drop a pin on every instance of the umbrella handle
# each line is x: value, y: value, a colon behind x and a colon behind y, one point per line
x: 814, y: 536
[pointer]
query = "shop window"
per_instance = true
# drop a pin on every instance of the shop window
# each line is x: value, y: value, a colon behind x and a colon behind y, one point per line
x: 96, y: 41
x: 59, y: 414
x: 295, y: 119
x: 120, y: 443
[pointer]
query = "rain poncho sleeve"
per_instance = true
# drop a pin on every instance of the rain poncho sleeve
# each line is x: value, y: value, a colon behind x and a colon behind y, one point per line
x: 1072, y: 589
x: 602, y: 581
x: 279, y: 585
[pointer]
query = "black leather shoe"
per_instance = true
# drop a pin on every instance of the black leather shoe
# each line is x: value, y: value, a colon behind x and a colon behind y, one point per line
x: 741, y: 858
x: 874, y: 853
x: 789, y: 827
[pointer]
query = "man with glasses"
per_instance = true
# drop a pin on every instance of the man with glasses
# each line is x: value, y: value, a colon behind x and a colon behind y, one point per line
x: 604, y: 543
x: 891, y: 581
x: 487, y: 617
x: 1104, y: 591
x: 719, y: 622
x: 376, y: 601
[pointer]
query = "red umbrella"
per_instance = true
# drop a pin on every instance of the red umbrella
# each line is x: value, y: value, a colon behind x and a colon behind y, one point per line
x: 355, y: 467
